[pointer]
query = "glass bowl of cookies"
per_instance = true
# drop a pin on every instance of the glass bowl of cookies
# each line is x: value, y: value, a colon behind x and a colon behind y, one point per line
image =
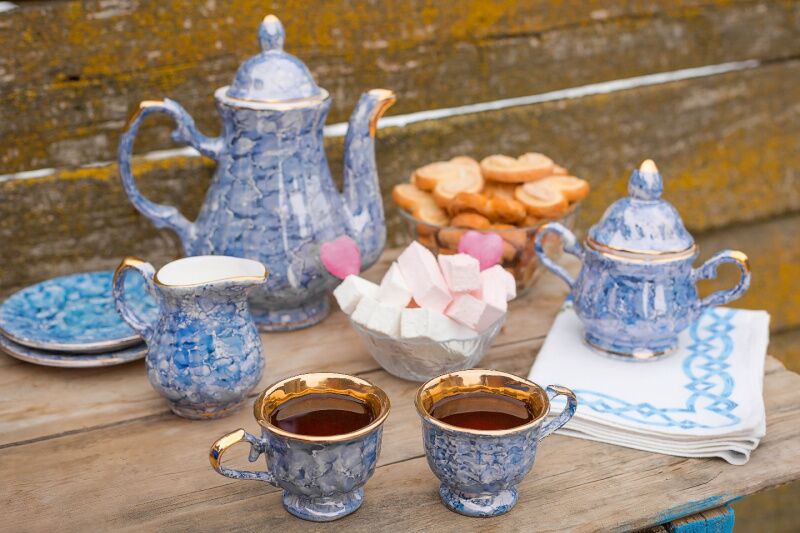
x: 512, y: 197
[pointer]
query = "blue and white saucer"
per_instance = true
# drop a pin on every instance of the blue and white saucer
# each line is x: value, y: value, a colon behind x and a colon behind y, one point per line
x: 72, y: 360
x: 74, y: 314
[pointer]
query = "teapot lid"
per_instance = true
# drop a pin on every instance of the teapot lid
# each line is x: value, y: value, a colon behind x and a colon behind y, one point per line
x: 642, y: 222
x: 273, y: 75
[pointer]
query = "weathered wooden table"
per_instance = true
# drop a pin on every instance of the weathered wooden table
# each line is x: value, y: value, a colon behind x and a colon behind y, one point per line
x: 97, y: 449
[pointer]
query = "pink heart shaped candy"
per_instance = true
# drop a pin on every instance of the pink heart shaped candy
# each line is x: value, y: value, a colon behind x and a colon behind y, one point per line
x: 341, y: 257
x: 487, y: 248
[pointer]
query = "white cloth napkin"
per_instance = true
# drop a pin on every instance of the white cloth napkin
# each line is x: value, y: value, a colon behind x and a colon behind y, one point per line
x: 704, y: 400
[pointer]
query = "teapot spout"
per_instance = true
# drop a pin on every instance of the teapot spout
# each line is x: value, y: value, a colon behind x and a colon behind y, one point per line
x: 362, y: 193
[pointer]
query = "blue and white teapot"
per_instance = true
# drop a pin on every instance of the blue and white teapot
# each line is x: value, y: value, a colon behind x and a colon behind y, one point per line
x: 272, y: 198
x: 636, y: 291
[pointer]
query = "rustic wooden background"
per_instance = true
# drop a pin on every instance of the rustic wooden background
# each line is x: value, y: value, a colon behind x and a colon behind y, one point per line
x: 726, y: 135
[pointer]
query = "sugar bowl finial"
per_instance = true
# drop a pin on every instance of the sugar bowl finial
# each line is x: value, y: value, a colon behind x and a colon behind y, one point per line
x: 271, y: 34
x: 646, y: 183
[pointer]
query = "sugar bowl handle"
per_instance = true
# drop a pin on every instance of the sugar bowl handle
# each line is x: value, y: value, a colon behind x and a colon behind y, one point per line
x: 257, y: 447
x: 709, y: 271
x: 566, y: 413
x: 571, y: 246
x: 146, y: 270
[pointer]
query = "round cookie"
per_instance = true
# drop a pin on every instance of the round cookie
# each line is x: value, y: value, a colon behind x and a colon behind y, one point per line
x: 409, y: 196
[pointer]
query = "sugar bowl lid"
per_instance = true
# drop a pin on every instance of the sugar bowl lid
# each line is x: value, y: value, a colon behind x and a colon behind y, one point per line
x: 642, y: 223
x: 273, y: 75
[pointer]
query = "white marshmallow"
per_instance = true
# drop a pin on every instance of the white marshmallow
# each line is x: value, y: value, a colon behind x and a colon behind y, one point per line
x: 352, y: 290
x: 424, y: 322
x: 504, y: 277
x: 472, y: 312
x: 461, y: 272
x: 414, y: 322
x: 385, y: 319
x: 364, y: 310
x: 442, y: 328
x: 394, y: 290
x: 423, y: 277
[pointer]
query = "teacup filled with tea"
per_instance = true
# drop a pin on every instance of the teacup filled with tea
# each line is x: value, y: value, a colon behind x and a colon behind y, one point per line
x: 481, y: 429
x: 321, y: 436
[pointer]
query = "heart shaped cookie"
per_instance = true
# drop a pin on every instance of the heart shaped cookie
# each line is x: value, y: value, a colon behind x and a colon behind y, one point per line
x: 525, y: 168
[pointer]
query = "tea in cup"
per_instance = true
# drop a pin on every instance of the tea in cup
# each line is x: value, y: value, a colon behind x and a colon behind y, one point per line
x: 321, y: 436
x: 481, y: 429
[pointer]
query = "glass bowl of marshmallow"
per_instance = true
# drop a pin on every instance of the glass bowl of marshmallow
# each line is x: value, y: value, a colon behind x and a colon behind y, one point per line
x: 429, y: 315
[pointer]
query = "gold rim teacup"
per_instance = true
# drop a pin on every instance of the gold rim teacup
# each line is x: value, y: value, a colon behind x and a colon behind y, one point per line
x: 322, y: 477
x: 479, y: 470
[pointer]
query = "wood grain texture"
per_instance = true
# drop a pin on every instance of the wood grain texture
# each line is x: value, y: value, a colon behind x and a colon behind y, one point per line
x: 153, y: 474
x: 785, y: 346
x: 119, y: 394
x: 67, y: 88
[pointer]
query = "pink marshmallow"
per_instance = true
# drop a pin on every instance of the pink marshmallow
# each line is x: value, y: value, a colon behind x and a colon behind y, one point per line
x: 461, y: 272
x: 499, y: 276
x: 472, y: 312
x: 423, y: 277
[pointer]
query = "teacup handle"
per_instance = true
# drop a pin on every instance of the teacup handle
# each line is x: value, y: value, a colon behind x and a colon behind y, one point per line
x: 566, y: 414
x: 709, y: 271
x: 257, y: 447
x: 571, y: 246
x: 147, y: 271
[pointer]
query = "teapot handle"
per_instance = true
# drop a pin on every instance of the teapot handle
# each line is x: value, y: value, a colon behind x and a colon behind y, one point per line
x: 571, y: 246
x: 709, y: 271
x: 141, y: 326
x: 163, y: 216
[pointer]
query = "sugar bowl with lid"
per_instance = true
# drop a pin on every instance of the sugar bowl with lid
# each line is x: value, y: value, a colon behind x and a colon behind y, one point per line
x: 636, y: 290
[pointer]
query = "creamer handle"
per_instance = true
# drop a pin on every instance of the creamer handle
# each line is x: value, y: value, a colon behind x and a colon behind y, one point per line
x: 140, y: 325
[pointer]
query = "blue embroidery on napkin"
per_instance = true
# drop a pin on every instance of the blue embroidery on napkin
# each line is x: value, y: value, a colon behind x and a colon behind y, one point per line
x: 710, y: 385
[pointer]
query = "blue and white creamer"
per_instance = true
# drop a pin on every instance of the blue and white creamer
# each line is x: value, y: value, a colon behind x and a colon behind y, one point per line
x: 272, y: 198
x: 204, y: 351
x: 637, y: 289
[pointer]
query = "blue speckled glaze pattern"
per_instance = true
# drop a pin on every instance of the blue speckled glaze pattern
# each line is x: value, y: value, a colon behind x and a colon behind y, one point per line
x: 273, y: 74
x: 204, y: 351
x: 637, y: 304
x: 642, y: 221
x: 321, y: 481
x: 72, y: 360
x: 479, y: 474
x: 73, y: 313
x: 272, y: 198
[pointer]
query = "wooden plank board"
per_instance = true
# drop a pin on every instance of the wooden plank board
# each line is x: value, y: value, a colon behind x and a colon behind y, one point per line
x: 727, y: 145
x: 153, y: 474
x: 67, y: 91
x: 36, y: 401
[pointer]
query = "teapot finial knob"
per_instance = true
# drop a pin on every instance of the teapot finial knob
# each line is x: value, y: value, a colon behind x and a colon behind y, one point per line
x: 271, y: 34
x: 645, y: 183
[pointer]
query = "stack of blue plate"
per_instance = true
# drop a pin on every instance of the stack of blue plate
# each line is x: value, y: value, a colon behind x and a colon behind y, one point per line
x: 71, y: 322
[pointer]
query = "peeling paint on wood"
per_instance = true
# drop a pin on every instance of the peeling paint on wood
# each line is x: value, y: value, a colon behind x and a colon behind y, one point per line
x: 67, y: 108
